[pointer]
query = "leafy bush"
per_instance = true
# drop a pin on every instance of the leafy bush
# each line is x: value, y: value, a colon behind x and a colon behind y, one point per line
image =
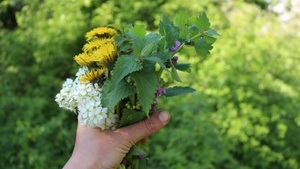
x: 244, y: 115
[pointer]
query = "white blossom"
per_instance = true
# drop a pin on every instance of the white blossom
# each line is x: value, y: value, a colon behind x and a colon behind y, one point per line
x: 65, y: 97
x: 81, y: 71
x: 85, y: 99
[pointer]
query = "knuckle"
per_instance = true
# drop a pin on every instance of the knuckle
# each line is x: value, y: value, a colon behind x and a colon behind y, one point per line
x: 150, y: 126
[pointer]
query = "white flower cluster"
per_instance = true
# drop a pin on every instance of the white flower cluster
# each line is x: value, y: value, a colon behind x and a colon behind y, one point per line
x: 86, y: 100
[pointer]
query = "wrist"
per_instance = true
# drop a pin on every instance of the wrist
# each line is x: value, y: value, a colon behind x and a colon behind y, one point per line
x: 82, y: 160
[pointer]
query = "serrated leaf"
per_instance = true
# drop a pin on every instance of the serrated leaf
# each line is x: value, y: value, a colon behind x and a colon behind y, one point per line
x: 136, y: 36
x: 185, y: 33
x: 174, y: 73
x: 169, y: 30
x: 115, y: 26
x: 137, y: 45
x: 150, y: 37
x: 164, y: 56
x: 142, y: 149
x: 210, y: 40
x: 146, y: 83
x: 125, y: 47
x: 162, y: 44
x: 139, y: 30
x: 177, y: 90
x: 125, y: 65
x: 135, y: 150
x: 193, y: 30
x: 202, y: 22
x: 150, y: 43
x: 143, y: 163
x: 159, y: 58
x: 119, y: 40
x: 212, y: 33
x: 180, y: 20
x: 202, y: 47
x: 149, y: 48
x: 183, y: 66
x: 130, y: 117
x: 121, y: 90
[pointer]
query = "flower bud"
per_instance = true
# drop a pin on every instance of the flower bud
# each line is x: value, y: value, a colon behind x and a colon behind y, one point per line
x: 175, y: 47
x: 175, y: 58
x: 141, y: 156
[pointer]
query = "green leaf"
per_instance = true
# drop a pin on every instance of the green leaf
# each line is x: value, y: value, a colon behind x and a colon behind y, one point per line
x: 116, y: 26
x: 146, y: 83
x: 136, y: 36
x: 162, y: 44
x: 193, y: 31
x: 141, y: 149
x: 119, y: 40
x: 177, y: 90
x: 130, y: 117
x: 143, y: 163
x: 169, y: 30
x: 119, y: 92
x: 137, y: 45
x: 125, y: 47
x: 164, y: 56
x: 151, y: 41
x: 159, y: 58
x: 185, y: 33
x: 150, y: 37
x: 202, y: 22
x: 125, y: 65
x: 210, y: 40
x: 174, y: 73
x: 181, y: 20
x: 149, y: 48
x: 202, y: 47
x: 139, y: 30
x: 211, y: 33
x: 138, y: 149
x: 183, y: 66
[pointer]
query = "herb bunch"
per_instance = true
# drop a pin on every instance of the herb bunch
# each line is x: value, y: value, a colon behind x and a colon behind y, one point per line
x: 120, y: 76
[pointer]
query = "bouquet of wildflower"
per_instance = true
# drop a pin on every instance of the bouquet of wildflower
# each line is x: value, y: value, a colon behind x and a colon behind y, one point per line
x: 121, y: 73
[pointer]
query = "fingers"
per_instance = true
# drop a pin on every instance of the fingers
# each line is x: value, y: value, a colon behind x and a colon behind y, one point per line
x: 143, y: 129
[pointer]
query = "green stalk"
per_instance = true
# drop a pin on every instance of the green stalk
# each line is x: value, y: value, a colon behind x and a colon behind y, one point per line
x: 181, y: 46
x: 122, y: 166
x: 118, y: 110
x: 136, y: 164
x: 137, y: 161
x: 132, y: 100
x: 159, y: 73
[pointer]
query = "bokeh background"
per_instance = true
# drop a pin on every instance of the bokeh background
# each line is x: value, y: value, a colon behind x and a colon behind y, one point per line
x: 244, y: 115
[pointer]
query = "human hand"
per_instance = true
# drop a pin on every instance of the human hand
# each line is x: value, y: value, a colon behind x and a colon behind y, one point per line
x: 105, y: 149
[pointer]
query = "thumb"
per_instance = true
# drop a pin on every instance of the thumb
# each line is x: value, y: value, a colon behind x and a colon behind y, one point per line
x: 142, y: 129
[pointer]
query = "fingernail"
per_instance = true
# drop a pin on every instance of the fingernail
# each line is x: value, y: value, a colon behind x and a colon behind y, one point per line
x: 163, y: 116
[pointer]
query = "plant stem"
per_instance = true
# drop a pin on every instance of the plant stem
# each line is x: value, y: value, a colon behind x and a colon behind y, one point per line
x: 137, y: 161
x: 132, y: 100
x: 194, y: 37
x: 159, y: 73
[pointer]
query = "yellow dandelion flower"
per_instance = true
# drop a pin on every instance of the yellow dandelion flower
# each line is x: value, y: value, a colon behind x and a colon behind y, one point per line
x: 106, y: 55
x: 82, y: 59
x: 92, y: 45
x: 100, y: 32
x: 93, y: 74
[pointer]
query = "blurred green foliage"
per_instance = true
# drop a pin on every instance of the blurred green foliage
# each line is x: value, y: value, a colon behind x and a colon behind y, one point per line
x: 245, y: 114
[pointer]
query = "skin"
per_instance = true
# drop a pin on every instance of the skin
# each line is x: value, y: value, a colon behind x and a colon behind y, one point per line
x: 105, y: 149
